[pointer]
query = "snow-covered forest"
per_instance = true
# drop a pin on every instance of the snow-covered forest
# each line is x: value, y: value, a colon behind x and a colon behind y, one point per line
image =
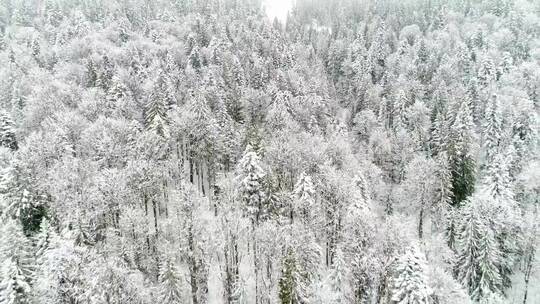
x: 196, y: 151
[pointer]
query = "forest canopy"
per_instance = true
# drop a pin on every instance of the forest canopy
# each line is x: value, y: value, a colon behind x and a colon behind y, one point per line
x: 195, y: 151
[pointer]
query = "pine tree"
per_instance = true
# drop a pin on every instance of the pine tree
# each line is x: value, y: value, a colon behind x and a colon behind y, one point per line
x: 170, y: 291
x: 22, y: 201
x: 422, y: 62
x: 468, y: 234
x: 489, y: 279
x: 492, y: 298
x: 44, y: 237
x: 15, y: 251
x: 486, y: 72
x: 444, y: 179
x: 105, y: 76
x: 240, y: 294
x: 492, y: 129
x: 226, y: 137
x: 478, y: 256
x: 14, y: 287
x: 410, y: 284
x: 7, y: 131
x: 497, y: 181
x: 155, y: 112
x: 440, y: 133
x: 462, y: 162
x: 287, y: 282
x: 338, y: 279
x: 14, y: 244
x: 305, y: 195
x: 117, y: 91
x: 250, y: 177
x: 505, y: 217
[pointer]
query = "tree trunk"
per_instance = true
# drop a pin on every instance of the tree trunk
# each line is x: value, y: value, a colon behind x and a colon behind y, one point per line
x: 256, y: 266
x: 421, y: 217
x: 193, y: 268
x: 421, y: 223
x: 154, y: 208
x: 528, y: 269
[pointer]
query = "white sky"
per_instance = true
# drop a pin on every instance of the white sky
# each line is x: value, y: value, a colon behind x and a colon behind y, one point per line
x: 278, y: 8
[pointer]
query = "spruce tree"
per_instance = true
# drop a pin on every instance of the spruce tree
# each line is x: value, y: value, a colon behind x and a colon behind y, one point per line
x: 488, y: 261
x: 15, y: 252
x: 410, y: 284
x: 7, y: 131
x: 44, y: 237
x: 461, y: 154
x: 338, y: 279
x: 14, y: 286
x: 287, y: 282
x: 478, y: 255
x: 155, y: 112
x: 498, y: 189
x: 305, y: 196
x: 492, y: 129
x: 169, y: 284
x: 250, y: 178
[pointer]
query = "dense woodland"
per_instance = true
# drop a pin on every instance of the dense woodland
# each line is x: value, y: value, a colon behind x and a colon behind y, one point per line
x: 194, y: 151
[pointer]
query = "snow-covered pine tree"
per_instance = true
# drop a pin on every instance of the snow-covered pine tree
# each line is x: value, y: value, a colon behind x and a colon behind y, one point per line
x: 339, y: 279
x: 492, y: 129
x: 7, y: 131
x: 116, y: 92
x: 504, y: 213
x: 43, y: 238
x: 288, y: 292
x: 461, y: 160
x: 410, y: 284
x: 240, y: 293
x: 14, y: 286
x: 226, y: 137
x: 492, y: 298
x: 305, y: 196
x: 497, y: 182
x: 486, y: 71
x: 488, y: 261
x: 15, y: 253
x: 461, y: 154
x: 478, y: 256
x: 155, y: 111
x: 250, y: 178
x: 363, y: 189
x: 170, y: 289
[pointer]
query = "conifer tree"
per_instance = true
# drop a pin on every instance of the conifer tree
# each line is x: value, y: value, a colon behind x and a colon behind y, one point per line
x: 117, y: 91
x: 155, y: 112
x: 287, y: 283
x: 304, y: 193
x: 15, y: 252
x: 250, y: 178
x: 498, y: 188
x: 169, y: 284
x: 7, y: 131
x: 478, y: 255
x: 461, y: 154
x: 239, y: 295
x: 489, y: 258
x: 492, y: 129
x: 338, y: 279
x: 410, y: 284
x: 14, y: 286
x: 44, y: 237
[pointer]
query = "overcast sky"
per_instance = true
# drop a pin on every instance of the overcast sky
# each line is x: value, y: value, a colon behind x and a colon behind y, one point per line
x: 278, y: 8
